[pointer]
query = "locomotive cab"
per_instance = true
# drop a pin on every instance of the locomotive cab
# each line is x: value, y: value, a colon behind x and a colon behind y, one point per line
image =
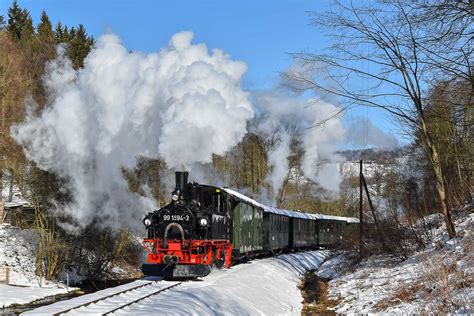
x: 197, y: 211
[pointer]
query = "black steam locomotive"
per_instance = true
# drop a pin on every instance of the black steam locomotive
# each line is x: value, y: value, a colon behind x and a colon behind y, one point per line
x: 206, y: 226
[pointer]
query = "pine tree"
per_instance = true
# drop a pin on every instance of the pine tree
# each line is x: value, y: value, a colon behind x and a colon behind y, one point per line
x: 45, y: 46
x: 45, y: 28
x: 72, y: 32
x: 14, y: 18
x: 20, y: 24
x: 65, y: 35
x: 2, y: 23
x: 58, y: 32
x: 80, y: 45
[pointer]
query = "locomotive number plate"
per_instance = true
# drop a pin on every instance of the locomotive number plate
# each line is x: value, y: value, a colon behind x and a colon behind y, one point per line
x: 177, y: 218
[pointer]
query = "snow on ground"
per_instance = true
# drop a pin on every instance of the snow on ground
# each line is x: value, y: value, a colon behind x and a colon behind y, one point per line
x: 268, y: 286
x: 333, y: 267
x: 438, y: 279
x: 17, y: 251
x: 10, y: 295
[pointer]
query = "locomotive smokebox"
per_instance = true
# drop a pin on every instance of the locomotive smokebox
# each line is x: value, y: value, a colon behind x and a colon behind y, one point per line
x: 181, y: 180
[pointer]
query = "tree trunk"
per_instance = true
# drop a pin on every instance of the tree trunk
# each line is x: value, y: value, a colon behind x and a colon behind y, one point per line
x: 283, y: 190
x: 1, y: 179
x: 436, y: 164
x: 10, y: 189
x: 252, y: 167
x: 372, y: 210
x: 361, y: 214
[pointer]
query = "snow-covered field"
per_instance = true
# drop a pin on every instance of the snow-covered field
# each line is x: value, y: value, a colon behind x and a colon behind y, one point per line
x: 438, y: 279
x: 17, y: 248
x: 267, y: 286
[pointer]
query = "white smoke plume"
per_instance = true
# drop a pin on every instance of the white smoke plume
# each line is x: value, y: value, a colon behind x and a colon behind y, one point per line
x: 316, y: 123
x: 320, y: 141
x: 278, y: 159
x: 181, y: 104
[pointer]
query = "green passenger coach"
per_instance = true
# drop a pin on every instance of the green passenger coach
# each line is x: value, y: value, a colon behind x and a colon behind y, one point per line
x: 247, y: 228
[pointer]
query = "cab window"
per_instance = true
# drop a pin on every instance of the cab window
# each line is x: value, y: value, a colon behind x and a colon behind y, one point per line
x: 218, y: 202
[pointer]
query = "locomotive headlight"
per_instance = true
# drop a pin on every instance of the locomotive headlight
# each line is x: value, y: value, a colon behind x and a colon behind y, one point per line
x: 147, y: 221
x: 175, y: 197
x: 203, y: 222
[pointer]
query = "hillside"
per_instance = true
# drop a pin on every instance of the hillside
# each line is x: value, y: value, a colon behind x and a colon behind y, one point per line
x: 439, y: 277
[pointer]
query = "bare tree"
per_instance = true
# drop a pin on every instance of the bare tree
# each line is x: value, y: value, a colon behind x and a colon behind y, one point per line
x: 449, y: 41
x: 384, y: 56
x: 14, y: 86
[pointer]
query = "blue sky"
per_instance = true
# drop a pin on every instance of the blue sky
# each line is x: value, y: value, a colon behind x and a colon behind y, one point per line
x: 258, y: 32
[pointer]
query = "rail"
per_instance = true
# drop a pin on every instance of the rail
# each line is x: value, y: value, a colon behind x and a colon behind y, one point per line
x: 126, y: 302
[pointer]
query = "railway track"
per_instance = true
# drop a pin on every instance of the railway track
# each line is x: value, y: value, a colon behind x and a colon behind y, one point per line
x: 108, y: 302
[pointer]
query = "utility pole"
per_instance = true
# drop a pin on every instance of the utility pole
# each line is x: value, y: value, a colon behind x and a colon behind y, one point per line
x: 374, y: 215
x: 361, y: 229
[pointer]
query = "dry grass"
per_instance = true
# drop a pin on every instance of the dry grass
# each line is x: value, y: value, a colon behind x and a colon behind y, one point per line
x: 402, y: 295
x: 437, y: 279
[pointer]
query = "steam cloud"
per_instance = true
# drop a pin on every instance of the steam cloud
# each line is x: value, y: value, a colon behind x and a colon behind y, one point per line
x: 182, y: 104
x: 283, y: 116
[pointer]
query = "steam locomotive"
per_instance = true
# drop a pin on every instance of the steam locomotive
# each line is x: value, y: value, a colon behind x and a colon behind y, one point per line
x: 207, y: 226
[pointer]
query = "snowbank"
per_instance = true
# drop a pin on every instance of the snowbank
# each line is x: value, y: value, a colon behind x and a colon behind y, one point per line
x: 268, y: 286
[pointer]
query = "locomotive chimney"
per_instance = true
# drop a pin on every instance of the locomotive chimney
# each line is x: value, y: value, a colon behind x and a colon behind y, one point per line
x: 181, y: 180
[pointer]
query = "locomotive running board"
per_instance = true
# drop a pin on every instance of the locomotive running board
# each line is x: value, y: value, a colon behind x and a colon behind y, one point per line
x: 168, y: 271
